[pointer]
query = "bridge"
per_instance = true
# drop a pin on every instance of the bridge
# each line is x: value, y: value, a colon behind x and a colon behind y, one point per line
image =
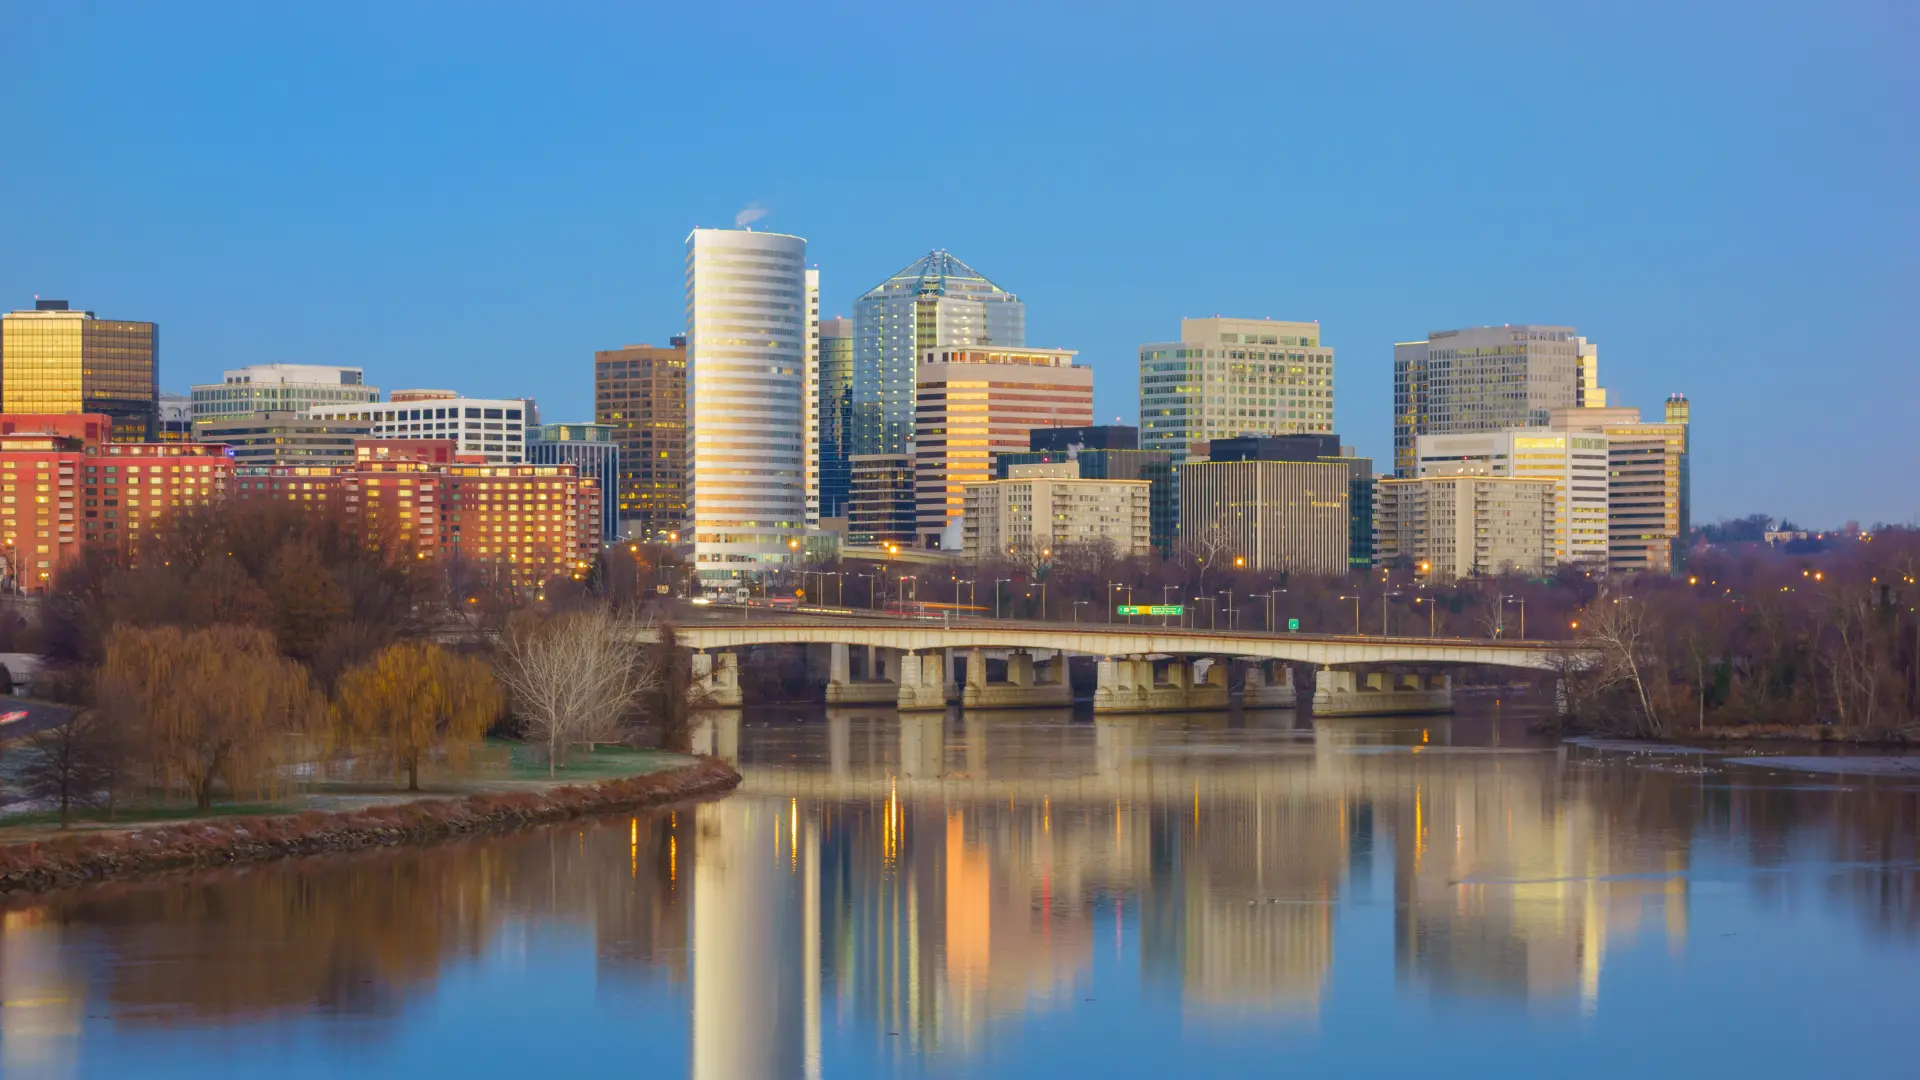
x: 911, y: 662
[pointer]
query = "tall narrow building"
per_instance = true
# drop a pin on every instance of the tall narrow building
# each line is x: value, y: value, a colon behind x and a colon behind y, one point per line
x: 1234, y: 377
x: 810, y: 395
x: 1488, y: 378
x: 58, y: 361
x: 747, y: 346
x: 937, y: 301
x: 833, y: 408
x: 640, y: 391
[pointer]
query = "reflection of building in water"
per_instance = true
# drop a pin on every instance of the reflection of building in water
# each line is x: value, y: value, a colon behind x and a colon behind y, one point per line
x: 42, y: 999
x: 750, y: 1005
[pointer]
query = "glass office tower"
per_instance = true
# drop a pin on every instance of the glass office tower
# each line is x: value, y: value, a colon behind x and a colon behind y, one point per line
x: 747, y: 344
x: 835, y: 406
x: 54, y: 360
x: 592, y: 450
x: 935, y: 302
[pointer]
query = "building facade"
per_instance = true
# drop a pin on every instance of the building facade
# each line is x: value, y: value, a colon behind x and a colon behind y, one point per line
x: 493, y: 428
x: 747, y: 341
x: 640, y: 391
x: 63, y: 485
x: 520, y: 525
x: 972, y: 404
x: 810, y: 397
x: 281, y: 388
x: 1576, y: 463
x: 1106, y: 452
x: 284, y: 438
x: 1042, y: 508
x: 834, y: 414
x: 54, y: 359
x: 590, y: 449
x: 1649, y: 484
x: 1488, y: 378
x: 1229, y: 377
x: 934, y: 301
x: 1451, y: 527
x: 1276, y: 515
x: 173, y: 418
x: 1324, y: 448
x: 880, y: 506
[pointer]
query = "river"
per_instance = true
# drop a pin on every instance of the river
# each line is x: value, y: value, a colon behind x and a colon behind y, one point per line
x: 1044, y: 895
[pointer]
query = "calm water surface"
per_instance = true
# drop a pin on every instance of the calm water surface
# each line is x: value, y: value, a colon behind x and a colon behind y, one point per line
x: 1046, y: 895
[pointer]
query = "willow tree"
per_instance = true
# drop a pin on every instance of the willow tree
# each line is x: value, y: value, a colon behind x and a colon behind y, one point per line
x: 219, y: 705
x: 413, y: 700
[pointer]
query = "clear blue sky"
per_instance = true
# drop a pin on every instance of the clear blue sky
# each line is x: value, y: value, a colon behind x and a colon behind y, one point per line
x: 476, y: 196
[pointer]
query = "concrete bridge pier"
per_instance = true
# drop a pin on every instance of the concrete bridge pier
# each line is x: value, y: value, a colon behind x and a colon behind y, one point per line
x: 1028, y: 685
x: 1130, y: 685
x: 1268, y: 685
x: 1376, y: 692
x: 843, y: 688
x: 925, y: 684
x: 716, y: 679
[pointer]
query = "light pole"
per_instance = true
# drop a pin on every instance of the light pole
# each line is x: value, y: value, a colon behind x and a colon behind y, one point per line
x: 997, y: 582
x: 1356, y: 613
x: 1213, y: 609
x: 1383, y: 612
x: 1273, y: 598
x: 1167, y: 601
x: 900, y: 588
x: 1521, y: 600
x: 1076, y: 610
x: 1433, y: 612
x: 873, y: 590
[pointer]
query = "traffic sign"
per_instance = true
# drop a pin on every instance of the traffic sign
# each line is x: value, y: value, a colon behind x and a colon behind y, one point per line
x: 1293, y: 624
x: 1152, y: 609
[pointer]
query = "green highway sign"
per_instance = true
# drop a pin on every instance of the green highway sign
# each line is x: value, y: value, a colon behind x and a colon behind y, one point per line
x: 1152, y: 609
x: 1293, y: 624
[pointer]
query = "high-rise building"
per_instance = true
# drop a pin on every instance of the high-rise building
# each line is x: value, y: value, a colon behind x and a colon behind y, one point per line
x: 1488, y: 378
x: 1042, y: 508
x: 1106, y: 452
x: 1447, y: 527
x: 747, y: 343
x: 880, y: 506
x: 494, y: 428
x: 1319, y: 448
x: 834, y: 414
x: 1649, y: 484
x: 1575, y: 462
x: 974, y: 403
x: 1229, y: 377
x: 57, y: 360
x: 281, y: 388
x: 284, y: 438
x: 590, y: 449
x: 640, y: 391
x: 1268, y: 515
x: 933, y: 302
x: 810, y: 397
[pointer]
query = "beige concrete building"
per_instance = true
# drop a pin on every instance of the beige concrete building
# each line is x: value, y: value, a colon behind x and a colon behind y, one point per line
x: 1576, y: 462
x: 1649, y: 497
x: 1230, y: 377
x: 1041, y: 508
x: 1451, y: 527
x: 1488, y: 378
x: 1277, y: 515
x: 284, y: 438
x: 974, y: 402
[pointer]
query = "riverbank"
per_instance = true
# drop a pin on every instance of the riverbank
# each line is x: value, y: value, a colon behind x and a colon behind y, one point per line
x: 1720, y: 734
x: 57, y: 861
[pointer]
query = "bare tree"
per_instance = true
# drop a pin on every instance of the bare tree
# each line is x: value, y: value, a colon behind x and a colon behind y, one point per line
x: 74, y: 763
x: 1623, y: 635
x: 577, y: 677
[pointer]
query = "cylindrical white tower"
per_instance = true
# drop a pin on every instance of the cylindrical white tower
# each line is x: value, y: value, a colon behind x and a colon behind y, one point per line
x: 746, y: 420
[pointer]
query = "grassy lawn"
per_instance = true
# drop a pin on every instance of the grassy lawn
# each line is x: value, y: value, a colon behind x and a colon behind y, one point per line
x: 497, y: 765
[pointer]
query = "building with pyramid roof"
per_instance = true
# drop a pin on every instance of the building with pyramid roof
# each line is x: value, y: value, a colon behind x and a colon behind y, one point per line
x: 934, y: 302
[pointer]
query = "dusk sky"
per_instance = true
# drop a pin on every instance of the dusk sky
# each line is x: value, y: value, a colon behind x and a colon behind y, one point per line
x: 476, y: 197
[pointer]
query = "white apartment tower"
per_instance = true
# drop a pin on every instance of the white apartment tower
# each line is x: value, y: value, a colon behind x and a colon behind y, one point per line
x: 1230, y: 377
x: 1575, y: 463
x: 747, y: 349
x: 1488, y: 378
x: 810, y: 396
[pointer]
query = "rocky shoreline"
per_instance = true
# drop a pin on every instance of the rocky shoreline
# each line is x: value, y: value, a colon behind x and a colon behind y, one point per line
x: 36, y: 866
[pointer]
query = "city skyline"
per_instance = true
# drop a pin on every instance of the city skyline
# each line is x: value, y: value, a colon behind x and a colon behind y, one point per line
x: 228, y: 244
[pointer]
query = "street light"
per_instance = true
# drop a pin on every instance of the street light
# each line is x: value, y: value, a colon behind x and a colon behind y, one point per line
x: 1511, y: 599
x: 1433, y: 612
x: 1076, y: 609
x: 1213, y: 609
x: 1167, y: 601
x: 1356, y: 613
x: 997, y: 582
x: 1272, y: 600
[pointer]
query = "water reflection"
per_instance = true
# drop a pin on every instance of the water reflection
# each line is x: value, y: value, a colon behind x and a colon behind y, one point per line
x: 894, y: 890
